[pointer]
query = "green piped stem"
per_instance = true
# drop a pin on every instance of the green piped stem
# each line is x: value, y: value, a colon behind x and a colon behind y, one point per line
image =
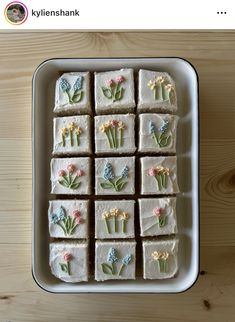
x: 121, y: 138
x: 109, y: 139
x: 114, y: 224
x: 63, y: 140
x: 113, y: 269
x: 162, y: 265
x: 120, y: 270
x: 123, y: 225
x: 78, y: 140
x: 107, y: 226
x: 68, y: 268
x: 71, y: 137
x: 115, y: 137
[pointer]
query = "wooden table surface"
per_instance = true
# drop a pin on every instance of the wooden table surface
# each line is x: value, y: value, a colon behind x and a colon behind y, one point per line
x: 212, y: 298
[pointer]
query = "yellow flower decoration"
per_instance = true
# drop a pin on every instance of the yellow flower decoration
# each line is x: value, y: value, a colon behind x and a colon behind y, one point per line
x: 121, y: 125
x: 78, y: 130
x: 106, y: 215
x: 114, y: 211
x: 64, y: 131
x: 156, y: 255
x: 124, y: 216
x: 71, y: 126
x: 165, y: 256
x: 169, y: 87
x: 160, y: 79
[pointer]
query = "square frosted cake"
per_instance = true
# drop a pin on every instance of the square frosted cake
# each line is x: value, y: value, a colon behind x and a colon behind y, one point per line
x: 157, y: 92
x: 72, y: 93
x: 72, y: 135
x: 115, y: 134
x: 160, y: 258
x: 159, y: 175
x: 157, y: 133
x: 115, y: 260
x: 68, y: 218
x: 157, y: 216
x: 71, y: 176
x: 115, y: 176
x: 69, y: 261
x: 114, y: 219
x: 114, y: 91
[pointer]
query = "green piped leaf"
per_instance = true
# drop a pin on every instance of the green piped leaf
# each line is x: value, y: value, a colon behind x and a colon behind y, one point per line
x: 120, y: 185
x: 106, y: 185
x: 77, y: 97
x: 63, y: 183
x: 107, y: 92
x: 107, y: 269
x: 119, y: 94
x: 75, y: 185
x: 64, y: 267
x: 162, y: 221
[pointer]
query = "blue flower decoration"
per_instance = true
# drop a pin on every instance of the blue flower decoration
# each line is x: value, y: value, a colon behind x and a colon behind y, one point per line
x: 64, y: 85
x: 78, y: 84
x: 54, y: 219
x: 164, y: 127
x: 61, y: 213
x: 112, y: 256
x: 152, y: 128
x: 127, y: 259
x: 108, y: 172
x: 125, y: 172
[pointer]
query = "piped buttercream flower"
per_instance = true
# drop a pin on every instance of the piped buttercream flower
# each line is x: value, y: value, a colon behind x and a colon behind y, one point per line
x: 76, y: 213
x: 71, y: 126
x: 110, y: 82
x: 68, y: 257
x: 71, y: 168
x: 80, y: 173
x: 114, y: 123
x: 165, y: 255
x: 64, y: 131
x: 106, y: 215
x: 152, y: 172
x: 120, y: 79
x: 78, y: 130
x: 121, y: 125
x: 157, y: 211
x: 160, y: 79
x: 124, y: 216
x: 169, y: 87
x: 62, y: 173
x: 114, y: 211
x: 156, y: 255
x: 80, y: 220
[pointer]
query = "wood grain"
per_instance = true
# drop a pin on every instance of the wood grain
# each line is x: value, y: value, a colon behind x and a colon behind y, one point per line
x: 212, y: 297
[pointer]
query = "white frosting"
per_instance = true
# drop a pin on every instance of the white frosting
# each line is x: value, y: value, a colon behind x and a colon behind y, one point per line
x: 84, y: 146
x: 118, y: 165
x: 85, y: 180
x: 149, y: 183
x: 61, y: 99
x: 151, y: 269
x: 148, y: 220
x: 147, y: 101
x: 81, y: 231
x: 127, y: 102
x: 123, y: 248
x: 78, y: 265
x: 102, y: 206
x: 101, y: 141
x: 146, y: 141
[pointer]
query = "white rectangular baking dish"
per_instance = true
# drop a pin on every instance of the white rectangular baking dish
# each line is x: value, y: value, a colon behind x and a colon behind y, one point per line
x: 188, y: 172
